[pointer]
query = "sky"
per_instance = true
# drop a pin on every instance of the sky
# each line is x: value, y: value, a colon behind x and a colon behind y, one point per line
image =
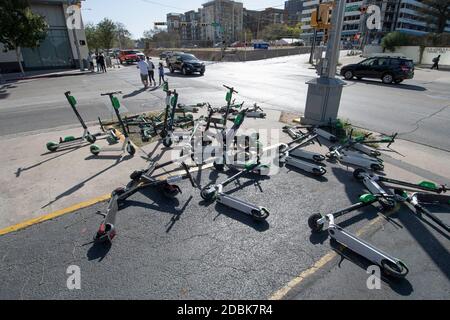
x: 139, y: 15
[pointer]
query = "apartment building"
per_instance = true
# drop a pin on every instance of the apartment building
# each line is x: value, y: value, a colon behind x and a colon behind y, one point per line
x: 396, y: 15
x: 224, y: 20
x: 293, y: 10
x: 256, y: 21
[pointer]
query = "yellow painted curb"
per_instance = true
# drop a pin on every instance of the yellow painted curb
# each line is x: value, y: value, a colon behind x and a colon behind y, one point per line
x: 283, y: 292
x: 54, y: 215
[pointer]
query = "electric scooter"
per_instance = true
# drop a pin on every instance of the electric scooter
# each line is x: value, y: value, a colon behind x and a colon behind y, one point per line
x: 215, y: 193
x: 169, y: 122
x: 287, y: 155
x: 127, y: 145
x: 390, y: 265
x: 352, y: 158
x: 419, y: 200
x: 371, y: 182
x: 139, y: 180
x: 71, y: 141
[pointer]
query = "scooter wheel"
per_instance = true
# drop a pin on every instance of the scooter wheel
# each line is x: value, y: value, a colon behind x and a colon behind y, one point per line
x: 377, y: 167
x: 105, y: 234
x: 131, y: 150
x: 207, y: 195
x: 118, y: 192
x: 260, y: 215
x: 219, y: 167
x: 396, y: 270
x: 135, y: 176
x: 163, y: 134
x: 319, y: 172
x: 95, y: 150
x: 52, y: 146
x: 91, y: 139
x: 167, y: 142
x: 313, y: 223
x: 171, y: 191
x: 357, y: 174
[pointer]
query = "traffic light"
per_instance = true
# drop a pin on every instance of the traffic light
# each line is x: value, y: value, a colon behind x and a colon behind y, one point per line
x: 314, y: 19
x: 324, y: 14
x: 363, y: 9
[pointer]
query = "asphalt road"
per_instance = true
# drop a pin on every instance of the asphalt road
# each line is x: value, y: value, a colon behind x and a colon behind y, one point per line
x: 418, y: 109
x: 186, y: 249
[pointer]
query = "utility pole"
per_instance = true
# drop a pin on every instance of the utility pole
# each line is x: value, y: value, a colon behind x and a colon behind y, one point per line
x: 324, y: 93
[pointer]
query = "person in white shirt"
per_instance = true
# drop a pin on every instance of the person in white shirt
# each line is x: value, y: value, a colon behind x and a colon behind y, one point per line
x: 143, y: 69
x: 151, y: 71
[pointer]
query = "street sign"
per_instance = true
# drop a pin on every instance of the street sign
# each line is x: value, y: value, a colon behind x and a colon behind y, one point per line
x: 352, y: 8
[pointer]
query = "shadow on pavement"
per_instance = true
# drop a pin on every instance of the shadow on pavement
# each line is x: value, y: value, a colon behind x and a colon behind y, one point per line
x: 396, y: 86
x: 401, y: 286
x: 81, y: 184
x: 20, y: 170
x: 429, y: 243
x: 134, y: 93
x: 98, y: 251
x: 4, y: 90
x: 260, y: 226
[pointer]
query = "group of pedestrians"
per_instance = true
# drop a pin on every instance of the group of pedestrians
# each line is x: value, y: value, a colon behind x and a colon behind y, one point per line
x: 147, y: 72
x: 100, y: 60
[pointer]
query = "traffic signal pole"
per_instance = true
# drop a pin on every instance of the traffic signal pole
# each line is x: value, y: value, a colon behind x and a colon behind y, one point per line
x: 324, y: 93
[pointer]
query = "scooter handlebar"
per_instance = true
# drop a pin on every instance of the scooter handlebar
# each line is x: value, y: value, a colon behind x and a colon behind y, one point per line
x: 111, y: 93
x: 231, y: 89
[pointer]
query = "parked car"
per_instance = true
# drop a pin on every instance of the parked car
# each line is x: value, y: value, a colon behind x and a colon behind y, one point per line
x: 130, y: 56
x: 186, y: 63
x: 237, y: 44
x: 165, y: 54
x: 388, y: 69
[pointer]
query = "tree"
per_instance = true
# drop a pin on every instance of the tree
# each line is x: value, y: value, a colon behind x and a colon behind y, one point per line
x: 279, y: 31
x: 123, y: 36
x: 395, y: 39
x: 20, y: 27
x: 92, y: 36
x: 106, y: 34
x: 436, y: 14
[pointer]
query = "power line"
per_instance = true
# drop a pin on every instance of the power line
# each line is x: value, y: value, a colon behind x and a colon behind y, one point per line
x: 163, y: 5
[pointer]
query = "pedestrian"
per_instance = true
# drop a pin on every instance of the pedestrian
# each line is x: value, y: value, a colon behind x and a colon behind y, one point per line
x: 101, y: 61
x: 161, y: 73
x: 108, y: 61
x: 91, y: 62
x: 436, y: 62
x: 151, y: 71
x: 143, y: 70
x: 97, y: 59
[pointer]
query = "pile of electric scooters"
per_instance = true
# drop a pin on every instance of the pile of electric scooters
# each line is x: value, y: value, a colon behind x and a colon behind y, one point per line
x: 383, y: 192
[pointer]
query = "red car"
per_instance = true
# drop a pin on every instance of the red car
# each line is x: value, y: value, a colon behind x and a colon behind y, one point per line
x: 130, y: 56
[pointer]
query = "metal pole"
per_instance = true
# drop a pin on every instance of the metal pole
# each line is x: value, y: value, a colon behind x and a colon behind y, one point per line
x: 324, y: 93
x: 313, y: 47
x: 334, y: 43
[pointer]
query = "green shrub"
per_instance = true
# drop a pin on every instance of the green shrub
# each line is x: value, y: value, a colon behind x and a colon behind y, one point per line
x: 396, y: 39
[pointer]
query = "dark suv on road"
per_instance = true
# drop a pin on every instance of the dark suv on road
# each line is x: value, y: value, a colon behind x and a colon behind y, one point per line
x: 186, y: 63
x: 388, y: 69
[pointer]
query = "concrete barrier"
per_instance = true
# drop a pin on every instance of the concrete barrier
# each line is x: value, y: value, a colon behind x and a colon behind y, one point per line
x: 237, y: 55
